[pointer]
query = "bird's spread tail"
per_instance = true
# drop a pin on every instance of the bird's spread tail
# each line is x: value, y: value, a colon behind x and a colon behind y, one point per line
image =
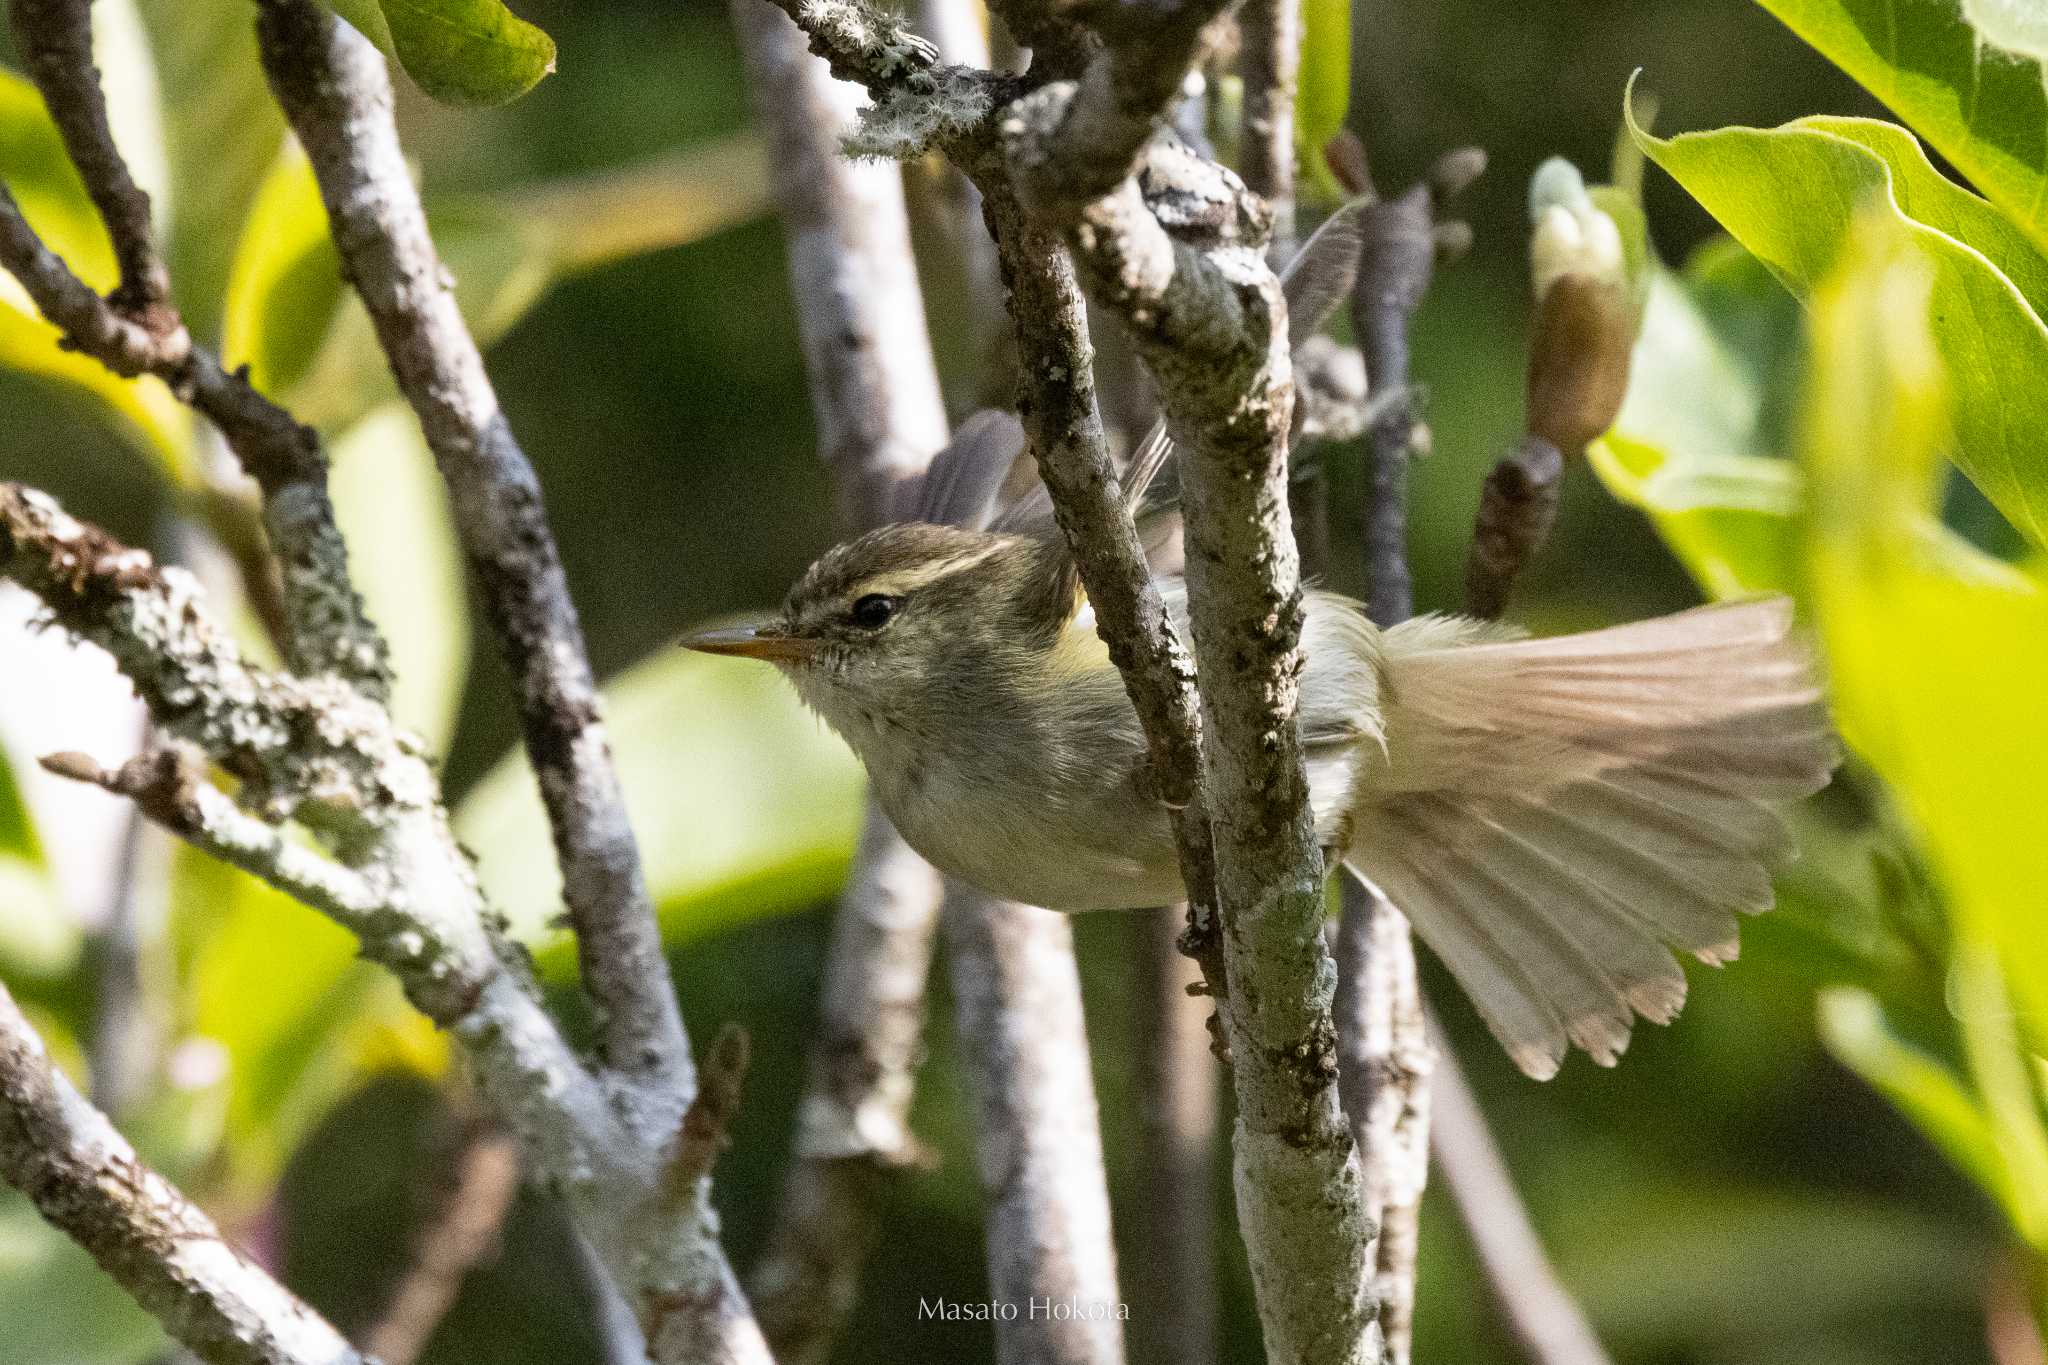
x: 1550, y: 814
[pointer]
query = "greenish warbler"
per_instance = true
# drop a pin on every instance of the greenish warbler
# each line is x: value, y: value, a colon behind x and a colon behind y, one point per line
x: 1549, y: 813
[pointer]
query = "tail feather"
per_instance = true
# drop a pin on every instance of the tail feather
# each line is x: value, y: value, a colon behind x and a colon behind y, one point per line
x: 1551, y: 814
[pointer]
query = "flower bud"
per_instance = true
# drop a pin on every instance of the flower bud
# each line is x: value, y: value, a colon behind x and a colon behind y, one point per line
x: 1585, y: 324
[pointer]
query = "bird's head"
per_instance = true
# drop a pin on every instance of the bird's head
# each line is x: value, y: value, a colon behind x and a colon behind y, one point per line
x: 911, y: 627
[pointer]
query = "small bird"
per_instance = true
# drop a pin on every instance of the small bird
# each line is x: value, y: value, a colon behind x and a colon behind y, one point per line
x: 1550, y: 814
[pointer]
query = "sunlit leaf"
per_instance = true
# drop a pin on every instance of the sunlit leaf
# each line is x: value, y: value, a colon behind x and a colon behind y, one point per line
x: 1789, y: 195
x: 297, y: 1040
x: 221, y: 126
x: 1984, y: 110
x: 459, y: 51
x: 284, y: 285
x: 393, y: 509
x: 17, y: 826
x: 743, y: 803
x: 54, y: 201
x: 305, y: 336
x: 1323, y: 94
x: 1936, y: 678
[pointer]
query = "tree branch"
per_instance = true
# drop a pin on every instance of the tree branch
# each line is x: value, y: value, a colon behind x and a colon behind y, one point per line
x: 327, y: 629
x: 1385, y: 1060
x: 1174, y: 252
x: 336, y: 94
x: 55, y: 40
x: 315, y: 750
x: 1017, y: 998
x: 1269, y: 62
x: 86, y: 1180
x: 1385, y: 1056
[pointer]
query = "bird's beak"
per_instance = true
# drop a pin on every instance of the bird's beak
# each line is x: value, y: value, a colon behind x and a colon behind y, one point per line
x: 764, y: 640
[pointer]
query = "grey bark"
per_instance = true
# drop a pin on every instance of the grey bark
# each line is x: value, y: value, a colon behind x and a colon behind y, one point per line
x: 336, y: 94
x: 1024, y: 1046
x: 87, y: 1181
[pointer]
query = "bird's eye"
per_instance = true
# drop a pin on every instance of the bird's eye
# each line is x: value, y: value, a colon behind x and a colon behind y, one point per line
x: 874, y: 611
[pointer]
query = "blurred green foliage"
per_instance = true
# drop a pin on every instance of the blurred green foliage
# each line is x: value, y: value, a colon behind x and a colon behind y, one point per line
x: 1735, y: 1192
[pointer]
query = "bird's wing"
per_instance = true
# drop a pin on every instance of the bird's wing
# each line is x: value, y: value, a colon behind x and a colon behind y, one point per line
x: 964, y: 481
x: 1551, y: 813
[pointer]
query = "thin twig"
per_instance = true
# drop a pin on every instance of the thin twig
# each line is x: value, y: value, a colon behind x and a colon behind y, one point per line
x: 55, y: 40
x: 85, y: 1178
x: 1017, y: 997
x: 337, y: 96
x: 1545, y: 1319
x: 328, y: 631
x: 462, y: 1232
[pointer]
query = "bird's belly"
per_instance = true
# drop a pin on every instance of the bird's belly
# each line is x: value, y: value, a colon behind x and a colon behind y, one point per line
x: 1070, y: 852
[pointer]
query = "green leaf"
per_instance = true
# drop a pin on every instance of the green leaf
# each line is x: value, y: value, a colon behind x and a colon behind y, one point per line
x: 1323, y: 89
x: 459, y: 51
x: 1985, y: 111
x: 1790, y: 194
x: 1936, y: 675
x: 17, y: 826
x: 297, y: 1040
x: 53, y: 199
x: 743, y: 803
x: 221, y: 128
x: 1853, y: 1025
x: 284, y: 285
x: 393, y: 509
x: 306, y: 337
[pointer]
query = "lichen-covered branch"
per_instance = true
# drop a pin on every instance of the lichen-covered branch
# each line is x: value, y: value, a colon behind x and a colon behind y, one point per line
x: 1175, y: 253
x: 1024, y: 1045
x: 336, y: 93
x: 86, y: 1180
x: 327, y: 631
x: 315, y: 750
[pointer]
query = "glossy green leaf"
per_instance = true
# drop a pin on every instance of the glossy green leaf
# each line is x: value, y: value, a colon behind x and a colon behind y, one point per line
x: 54, y: 201
x: 1789, y: 195
x: 1697, y: 444
x: 1985, y: 111
x: 744, y: 804
x: 393, y: 509
x: 221, y: 128
x: 1323, y: 90
x: 1936, y: 677
x: 297, y: 1040
x: 459, y: 51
